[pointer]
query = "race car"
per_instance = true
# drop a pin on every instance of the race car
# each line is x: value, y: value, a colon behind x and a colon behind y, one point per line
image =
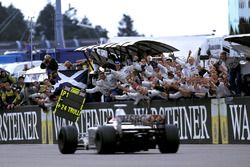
x: 124, y: 133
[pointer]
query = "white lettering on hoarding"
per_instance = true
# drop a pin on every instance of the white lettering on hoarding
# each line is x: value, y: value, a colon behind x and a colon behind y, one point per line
x: 88, y: 118
x: 240, y: 124
x: 191, y: 120
x: 18, y: 126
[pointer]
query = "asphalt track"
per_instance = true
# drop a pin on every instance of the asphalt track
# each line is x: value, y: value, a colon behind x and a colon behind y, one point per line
x: 38, y: 155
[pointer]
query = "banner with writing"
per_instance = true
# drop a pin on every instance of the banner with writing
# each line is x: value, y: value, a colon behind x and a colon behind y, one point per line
x: 21, y: 125
x: 70, y: 103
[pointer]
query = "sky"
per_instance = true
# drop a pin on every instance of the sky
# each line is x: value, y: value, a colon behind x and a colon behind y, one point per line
x: 156, y: 18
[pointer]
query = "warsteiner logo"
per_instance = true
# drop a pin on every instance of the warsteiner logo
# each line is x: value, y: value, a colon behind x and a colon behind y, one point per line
x: 18, y: 126
x: 240, y: 122
x: 191, y: 120
x: 88, y: 118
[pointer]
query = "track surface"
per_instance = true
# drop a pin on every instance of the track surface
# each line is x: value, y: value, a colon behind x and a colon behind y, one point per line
x: 36, y: 155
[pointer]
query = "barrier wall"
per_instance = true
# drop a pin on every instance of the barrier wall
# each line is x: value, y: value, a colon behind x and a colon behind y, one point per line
x: 203, y: 121
x: 22, y: 125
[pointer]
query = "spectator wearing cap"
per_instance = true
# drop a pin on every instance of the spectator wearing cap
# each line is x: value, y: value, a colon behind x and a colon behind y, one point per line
x: 121, y: 73
x: 5, y: 77
x: 10, y: 96
x: 104, y: 84
x: 168, y: 62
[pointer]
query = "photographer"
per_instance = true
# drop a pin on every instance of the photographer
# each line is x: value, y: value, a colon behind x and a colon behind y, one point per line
x: 51, y: 66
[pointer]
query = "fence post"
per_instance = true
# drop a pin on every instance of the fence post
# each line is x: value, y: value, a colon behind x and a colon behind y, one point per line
x: 47, y: 126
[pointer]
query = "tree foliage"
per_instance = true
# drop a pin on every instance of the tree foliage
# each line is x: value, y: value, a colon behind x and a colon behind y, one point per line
x: 12, y: 24
x: 45, y: 23
x: 231, y: 31
x: 72, y: 27
x: 126, y: 27
x: 244, y: 26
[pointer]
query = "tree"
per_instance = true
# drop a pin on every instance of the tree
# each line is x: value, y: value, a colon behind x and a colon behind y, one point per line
x: 231, y: 31
x: 45, y: 23
x: 126, y: 27
x: 85, y: 21
x: 101, y: 32
x: 244, y: 26
x: 72, y: 27
x: 10, y: 19
x: 84, y: 29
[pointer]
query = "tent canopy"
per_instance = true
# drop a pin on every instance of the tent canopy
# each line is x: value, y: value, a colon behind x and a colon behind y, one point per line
x: 243, y: 39
x: 124, y: 50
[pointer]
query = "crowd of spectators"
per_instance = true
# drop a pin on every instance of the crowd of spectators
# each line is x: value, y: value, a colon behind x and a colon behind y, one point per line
x: 16, y: 92
x: 167, y: 77
x: 146, y: 78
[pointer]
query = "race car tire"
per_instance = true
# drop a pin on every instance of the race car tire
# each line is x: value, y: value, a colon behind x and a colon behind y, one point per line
x: 169, y: 141
x: 105, y: 140
x: 68, y: 140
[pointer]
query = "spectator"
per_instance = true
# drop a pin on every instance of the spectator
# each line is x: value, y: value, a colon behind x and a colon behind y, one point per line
x: 67, y: 65
x: 25, y: 68
x: 21, y: 85
x: 30, y: 88
x: 42, y: 97
x: 5, y: 77
x: 234, y: 70
x: 10, y: 96
x: 51, y: 66
x: 121, y: 73
x: 104, y: 84
x: 136, y: 94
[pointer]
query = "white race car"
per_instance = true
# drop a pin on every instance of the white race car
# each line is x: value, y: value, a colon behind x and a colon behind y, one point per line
x: 124, y: 133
